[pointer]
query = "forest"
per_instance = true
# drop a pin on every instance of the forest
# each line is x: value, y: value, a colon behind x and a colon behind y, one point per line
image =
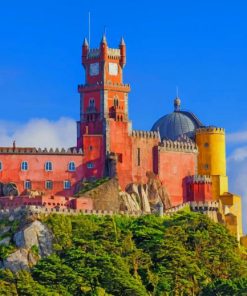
x: 184, y: 254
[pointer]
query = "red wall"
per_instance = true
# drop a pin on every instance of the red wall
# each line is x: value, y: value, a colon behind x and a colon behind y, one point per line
x: 120, y: 143
x: 36, y: 173
x: 147, y: 159
x: 174, y: 167
x: 197, y: 191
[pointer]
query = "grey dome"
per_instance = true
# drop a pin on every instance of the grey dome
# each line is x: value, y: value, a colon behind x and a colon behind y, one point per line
x: 177, y: 124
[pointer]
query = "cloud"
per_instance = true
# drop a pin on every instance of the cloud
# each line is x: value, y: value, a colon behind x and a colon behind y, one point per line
x: 39, y: 133
x: 237, y: 169
x: 239, y: 137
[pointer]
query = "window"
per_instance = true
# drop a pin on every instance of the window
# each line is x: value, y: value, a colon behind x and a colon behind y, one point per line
x: 91, y: 102
x: 90, y: 148
x: 138, y: 156
x: 115, y: 102
x: 90, y: 165
x: 28, y: 184
x: 66, y: 184
x: 24, y: 166
x: 48, y: 166
x: 206, y: 144
x: 1, y: 166
x: 48, y: 184
x: 206, y: 166
x: 72, y: 166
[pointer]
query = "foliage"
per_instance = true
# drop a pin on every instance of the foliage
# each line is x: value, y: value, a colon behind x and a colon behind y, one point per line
x: 186, y: 254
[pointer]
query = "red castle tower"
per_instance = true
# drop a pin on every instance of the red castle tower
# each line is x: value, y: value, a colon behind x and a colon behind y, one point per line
x: 103, y: 126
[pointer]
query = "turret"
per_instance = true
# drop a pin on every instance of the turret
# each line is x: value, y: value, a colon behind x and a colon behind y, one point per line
x: 212, y: 157
x: 85, y: 49
x: 103, y: 48
x: 122, y: 47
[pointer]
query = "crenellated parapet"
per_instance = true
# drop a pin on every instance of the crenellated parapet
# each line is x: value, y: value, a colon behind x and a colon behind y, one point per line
x: 195, y: 207
x: 112, y: 53
x: 39, y: 151
x: 211, y: 129
x: 199, y: 179
x: 145, y: 134
x: 179, y: 146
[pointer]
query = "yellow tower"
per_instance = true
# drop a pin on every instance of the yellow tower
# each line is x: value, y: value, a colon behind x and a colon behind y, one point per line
x: 212, y: 158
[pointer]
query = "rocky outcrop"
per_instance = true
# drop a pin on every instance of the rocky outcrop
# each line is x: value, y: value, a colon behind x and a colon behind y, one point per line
x: 35, y: 234
x: 129, y: 202
x: 17, y: 261
x: 145, y: 197
x: 34, y: 241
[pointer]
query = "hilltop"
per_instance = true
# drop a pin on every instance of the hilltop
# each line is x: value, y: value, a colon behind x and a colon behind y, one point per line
x: 185, y: 254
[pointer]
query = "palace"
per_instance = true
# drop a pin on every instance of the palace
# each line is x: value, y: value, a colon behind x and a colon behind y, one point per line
x: 187, y: 156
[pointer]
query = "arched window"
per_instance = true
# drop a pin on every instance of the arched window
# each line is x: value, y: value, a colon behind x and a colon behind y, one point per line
x: 1, y: 166
x: 91, y: 102
x: 66, y: 184
x: 48, y: 184
x: 116, y: 102
x: 28, y: 184
x: 71, y: 166
x: 48, y: 166
x: 24, y: 166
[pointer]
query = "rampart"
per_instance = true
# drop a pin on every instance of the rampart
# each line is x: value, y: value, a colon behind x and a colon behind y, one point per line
x: 45, y: 151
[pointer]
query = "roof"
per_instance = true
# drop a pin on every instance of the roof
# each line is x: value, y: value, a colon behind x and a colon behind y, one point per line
x: 176, y: 124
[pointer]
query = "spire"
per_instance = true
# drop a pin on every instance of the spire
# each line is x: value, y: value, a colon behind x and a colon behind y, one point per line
x: 122, y: 41
x: 85, y: 42
x: 103, y: 40
x: 177, y: 104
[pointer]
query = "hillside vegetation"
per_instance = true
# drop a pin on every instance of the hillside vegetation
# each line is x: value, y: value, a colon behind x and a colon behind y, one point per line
x: 186, y: 254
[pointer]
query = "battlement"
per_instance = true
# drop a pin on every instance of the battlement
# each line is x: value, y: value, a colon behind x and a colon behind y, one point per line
x: 93, y: 53
x: 112, y: 53
x: 195, y: 207
x: 50, y: 151
x: 210, y: 129
x: 47, y: 211
x: 179, y: 146
x: 145, y: 134
x: 199, y: 179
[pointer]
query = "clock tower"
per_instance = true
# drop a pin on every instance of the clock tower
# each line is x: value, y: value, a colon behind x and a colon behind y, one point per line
x: 104, y: 126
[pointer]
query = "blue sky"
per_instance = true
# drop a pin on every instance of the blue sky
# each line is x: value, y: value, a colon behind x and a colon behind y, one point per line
x: 199, y: 46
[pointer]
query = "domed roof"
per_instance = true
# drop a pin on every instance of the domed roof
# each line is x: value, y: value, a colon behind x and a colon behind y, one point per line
x: 177, y: 124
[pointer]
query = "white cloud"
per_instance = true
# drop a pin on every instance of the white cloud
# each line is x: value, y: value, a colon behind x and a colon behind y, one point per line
x: 39, y: 133
x: 239, y: 137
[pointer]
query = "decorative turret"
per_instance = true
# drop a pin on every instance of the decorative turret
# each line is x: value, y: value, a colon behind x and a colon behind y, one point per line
x: 103, y: 47
x: 122, y: 47
x: 85, y: 49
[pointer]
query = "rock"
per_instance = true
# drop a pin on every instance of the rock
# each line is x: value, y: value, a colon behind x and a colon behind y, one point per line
x: 129, y: 202
x: 17, y: 261
x: 146, y: 197
x: 35, y: 234
x: 5, y: 241
x: 141, y: 194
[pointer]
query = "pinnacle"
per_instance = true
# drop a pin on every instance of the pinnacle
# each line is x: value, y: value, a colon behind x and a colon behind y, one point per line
x: 85, y: 42
x: 122, y: 42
